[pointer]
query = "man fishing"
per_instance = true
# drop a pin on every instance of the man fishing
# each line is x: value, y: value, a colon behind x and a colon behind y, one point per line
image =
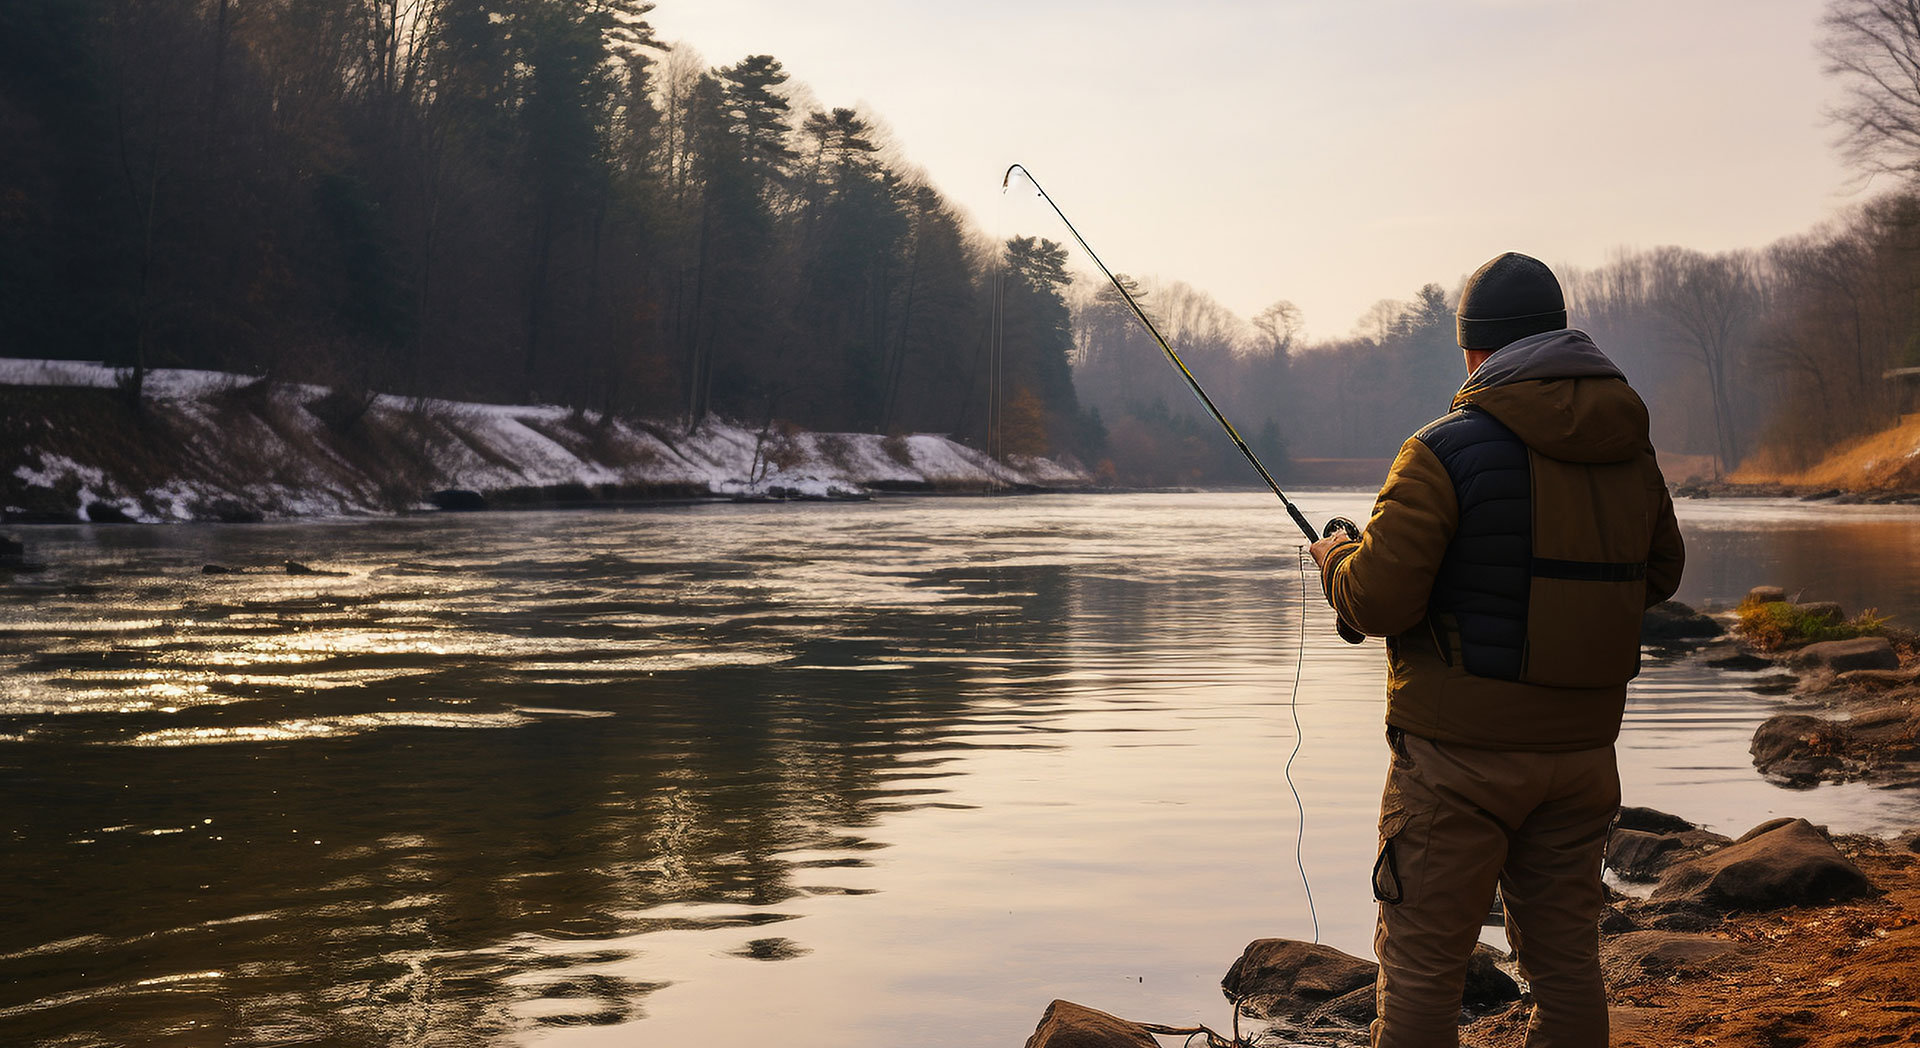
x: 1510, y: 555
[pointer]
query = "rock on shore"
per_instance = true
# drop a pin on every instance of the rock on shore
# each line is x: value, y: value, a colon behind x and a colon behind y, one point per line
x: 1808, y: 933
x: 1857, y: 699
x: 1069, y: 1025
x: 1785, y: 862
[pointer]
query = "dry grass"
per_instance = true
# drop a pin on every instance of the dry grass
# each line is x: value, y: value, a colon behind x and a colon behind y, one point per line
x: 1889, y: 459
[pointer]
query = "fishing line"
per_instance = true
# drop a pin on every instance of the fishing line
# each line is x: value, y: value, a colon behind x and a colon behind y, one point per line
x: 1299, y: 737
x: 1347, y: 633
x: 1337, y: 524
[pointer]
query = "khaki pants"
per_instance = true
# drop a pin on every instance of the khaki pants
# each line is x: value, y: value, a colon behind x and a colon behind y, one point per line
x: 1453, y: 822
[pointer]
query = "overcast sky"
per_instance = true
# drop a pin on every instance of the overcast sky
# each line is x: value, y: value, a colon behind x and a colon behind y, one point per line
x: 1331, y: 152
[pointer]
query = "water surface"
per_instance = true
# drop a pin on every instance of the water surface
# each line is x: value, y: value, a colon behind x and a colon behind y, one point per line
x: 848, y: 775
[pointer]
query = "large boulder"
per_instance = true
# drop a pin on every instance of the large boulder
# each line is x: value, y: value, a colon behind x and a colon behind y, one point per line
x: 1353, y: 1008
x: 1637, y: 855
x: 1651, y: 820
x: 1794, y: 735
x: 1838, y: 656
x: 1487, y: 985
x: 1287, y: 978
x: 1070, y: 1025
x: 1641, y: 955
x: 1671, y: 622
x: 1786, y: 862
x: 1880, y: 742
x: 1765, y: 595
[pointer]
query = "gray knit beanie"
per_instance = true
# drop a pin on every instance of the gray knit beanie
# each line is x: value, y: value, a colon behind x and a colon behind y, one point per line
x: 1508, y: 299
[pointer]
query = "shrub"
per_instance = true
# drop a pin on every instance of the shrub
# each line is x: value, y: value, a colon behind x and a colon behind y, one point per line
x: 1772, y: 625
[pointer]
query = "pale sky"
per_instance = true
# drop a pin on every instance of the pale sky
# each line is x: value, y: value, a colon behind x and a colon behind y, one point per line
x: 1331, y: 152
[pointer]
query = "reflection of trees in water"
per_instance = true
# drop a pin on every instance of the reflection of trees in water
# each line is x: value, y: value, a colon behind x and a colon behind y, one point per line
x: 407, y: 886
x: 1860, y: 563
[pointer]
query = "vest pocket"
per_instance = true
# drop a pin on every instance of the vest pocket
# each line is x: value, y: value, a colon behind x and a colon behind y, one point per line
x: 1583, y: 632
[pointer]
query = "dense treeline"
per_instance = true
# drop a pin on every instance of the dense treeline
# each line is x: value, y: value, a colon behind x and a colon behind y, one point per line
x: 514, y: 199
x: 1768, y: 357
x: 1354, y: 397
x: 499, y: 199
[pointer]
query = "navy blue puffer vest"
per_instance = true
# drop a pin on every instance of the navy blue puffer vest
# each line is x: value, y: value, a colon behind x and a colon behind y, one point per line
x: 1484, y: 577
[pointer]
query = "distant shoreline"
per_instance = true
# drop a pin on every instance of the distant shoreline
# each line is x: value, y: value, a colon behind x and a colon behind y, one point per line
x: 1803, y: 493
x: 210, y: 446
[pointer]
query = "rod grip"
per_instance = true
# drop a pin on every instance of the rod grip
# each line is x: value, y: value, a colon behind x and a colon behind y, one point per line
x: 1347, y: 633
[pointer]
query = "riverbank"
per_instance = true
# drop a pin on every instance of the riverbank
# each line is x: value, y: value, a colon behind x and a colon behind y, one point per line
x: 1878, y: 467
x: 1786, y: 936
x: 213, y: 446
x: 1789, y: 935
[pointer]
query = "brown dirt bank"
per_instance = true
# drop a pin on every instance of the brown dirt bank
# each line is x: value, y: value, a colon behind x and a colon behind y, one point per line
x: 1680, y: 970
x: 1886, y: 461
x: 1784, y: 938
x: 1803, y: 977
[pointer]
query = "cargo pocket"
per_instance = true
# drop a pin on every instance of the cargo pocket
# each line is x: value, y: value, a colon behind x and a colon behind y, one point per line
x: 1386, y: 868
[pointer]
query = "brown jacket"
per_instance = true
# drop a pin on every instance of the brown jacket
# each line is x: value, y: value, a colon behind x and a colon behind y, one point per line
x: 1590, y: 542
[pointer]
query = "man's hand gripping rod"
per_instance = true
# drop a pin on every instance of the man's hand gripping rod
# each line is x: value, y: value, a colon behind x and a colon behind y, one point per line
x: 1347, y: 633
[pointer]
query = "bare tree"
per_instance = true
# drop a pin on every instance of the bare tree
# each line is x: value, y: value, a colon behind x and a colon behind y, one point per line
x: 1873, y: 47
x: 1711, y: 301
x: 1380, y: 320
x: 1279, y: 327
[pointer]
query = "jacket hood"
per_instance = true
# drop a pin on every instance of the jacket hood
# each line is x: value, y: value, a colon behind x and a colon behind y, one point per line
x: 1562, y: 396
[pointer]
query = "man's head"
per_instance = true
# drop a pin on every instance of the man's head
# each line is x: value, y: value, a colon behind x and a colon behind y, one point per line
x: 1504, y: 301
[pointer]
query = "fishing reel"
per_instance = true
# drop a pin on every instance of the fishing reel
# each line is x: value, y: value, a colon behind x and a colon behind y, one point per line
x: 1342, y: 524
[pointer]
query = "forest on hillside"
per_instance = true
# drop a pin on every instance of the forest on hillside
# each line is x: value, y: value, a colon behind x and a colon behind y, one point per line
x: 541, y: 201
x: 504, y: 200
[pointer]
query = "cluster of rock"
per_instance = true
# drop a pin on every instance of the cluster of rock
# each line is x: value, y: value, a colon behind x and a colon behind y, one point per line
x: 1861, y: 722
x: 1858, y: 715
x: 1298, y: 993
x: 1700, y: 879
x: 1282, y: 990
x: 1698, y: 875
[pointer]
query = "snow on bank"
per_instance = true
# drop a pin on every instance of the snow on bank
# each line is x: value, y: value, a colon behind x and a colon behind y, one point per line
x: 224, y: 446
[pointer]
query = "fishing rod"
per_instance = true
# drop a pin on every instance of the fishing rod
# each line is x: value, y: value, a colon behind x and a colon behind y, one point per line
x: 1347, y: 633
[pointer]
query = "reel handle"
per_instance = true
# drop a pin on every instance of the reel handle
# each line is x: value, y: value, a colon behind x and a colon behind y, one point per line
x: 1347, y: 633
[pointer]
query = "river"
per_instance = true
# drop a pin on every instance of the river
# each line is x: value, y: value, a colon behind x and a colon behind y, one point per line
x: 816, y: 775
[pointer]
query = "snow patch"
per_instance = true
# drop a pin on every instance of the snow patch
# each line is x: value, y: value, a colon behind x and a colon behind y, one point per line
x: 266, y: 451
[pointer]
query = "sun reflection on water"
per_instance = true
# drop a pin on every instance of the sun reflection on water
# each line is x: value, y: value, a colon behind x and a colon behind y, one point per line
x: 891, y: 772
